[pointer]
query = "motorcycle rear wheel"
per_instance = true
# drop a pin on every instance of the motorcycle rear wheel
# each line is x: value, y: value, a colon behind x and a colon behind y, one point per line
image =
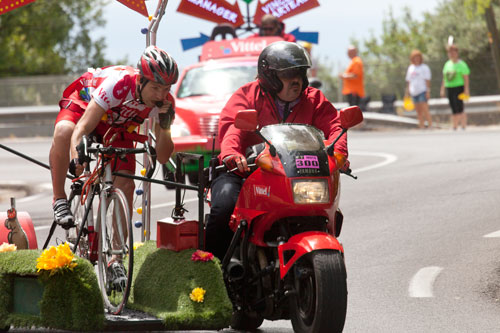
x: 320, y: 304
x: 246, y: 321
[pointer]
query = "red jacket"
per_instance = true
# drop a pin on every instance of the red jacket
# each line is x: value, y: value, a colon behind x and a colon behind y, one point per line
x: 312, y: 109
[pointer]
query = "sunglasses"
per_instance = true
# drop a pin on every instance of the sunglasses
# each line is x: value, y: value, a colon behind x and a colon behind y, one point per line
x: 292, y: 73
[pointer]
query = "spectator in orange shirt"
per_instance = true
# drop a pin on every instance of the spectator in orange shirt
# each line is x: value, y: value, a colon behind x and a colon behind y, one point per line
x: 353, y: 87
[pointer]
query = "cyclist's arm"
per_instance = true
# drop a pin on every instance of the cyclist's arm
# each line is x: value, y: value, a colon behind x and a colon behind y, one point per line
x: 86, y: 125
x: 164, y: 143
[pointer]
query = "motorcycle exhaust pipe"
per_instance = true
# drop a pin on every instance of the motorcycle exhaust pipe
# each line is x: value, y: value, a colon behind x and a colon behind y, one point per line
x: 235, y: 269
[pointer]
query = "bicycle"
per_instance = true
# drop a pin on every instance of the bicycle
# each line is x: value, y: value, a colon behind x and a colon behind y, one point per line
x: 105, y: 240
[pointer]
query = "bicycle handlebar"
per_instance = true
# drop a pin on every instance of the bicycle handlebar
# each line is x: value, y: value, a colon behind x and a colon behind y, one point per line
x: 84, y: 150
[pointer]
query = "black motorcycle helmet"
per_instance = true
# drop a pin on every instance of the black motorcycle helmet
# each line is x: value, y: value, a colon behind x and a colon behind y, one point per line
x: 277, y: 57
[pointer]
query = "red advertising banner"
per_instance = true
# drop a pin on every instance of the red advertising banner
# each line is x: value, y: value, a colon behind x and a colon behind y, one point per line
x: 252, y: 46
x: 8, y: 5
x: 283, y: 9
x: 218, y: 11
x: 137, y: 5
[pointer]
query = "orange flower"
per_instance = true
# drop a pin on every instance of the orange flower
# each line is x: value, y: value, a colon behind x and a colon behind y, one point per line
x: 200, y: 255
x: 6, y: 247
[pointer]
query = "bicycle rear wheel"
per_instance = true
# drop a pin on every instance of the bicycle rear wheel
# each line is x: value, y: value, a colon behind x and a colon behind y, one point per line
x: 113, y: 225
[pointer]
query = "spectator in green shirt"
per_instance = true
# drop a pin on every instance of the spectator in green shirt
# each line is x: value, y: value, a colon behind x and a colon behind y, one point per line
x: 456, y: 81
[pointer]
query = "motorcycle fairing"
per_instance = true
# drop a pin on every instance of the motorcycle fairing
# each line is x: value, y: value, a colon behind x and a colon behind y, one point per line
x: 304, y: 243
x: 300, y: 148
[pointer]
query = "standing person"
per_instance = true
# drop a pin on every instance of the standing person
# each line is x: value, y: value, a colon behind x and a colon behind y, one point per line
x: 353, y: 87
x: 280, y: 94
x: 456, y: 81
x: 418, y: 86
x: 126, y: 96
x: 271, y: 26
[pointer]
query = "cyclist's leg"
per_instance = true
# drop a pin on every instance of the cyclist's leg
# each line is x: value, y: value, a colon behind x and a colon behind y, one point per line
x: 59, y: 156
x: 59, y: 160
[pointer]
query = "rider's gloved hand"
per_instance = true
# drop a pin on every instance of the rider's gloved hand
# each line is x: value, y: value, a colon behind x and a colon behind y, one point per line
x: 236, y: 162
x: 75, y: 168
x: 166, y: 114
x: 346, y: 167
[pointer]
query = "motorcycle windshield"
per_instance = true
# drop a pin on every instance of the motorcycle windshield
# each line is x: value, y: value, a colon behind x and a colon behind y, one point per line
x: 300, y: 148
x: 292, y: 137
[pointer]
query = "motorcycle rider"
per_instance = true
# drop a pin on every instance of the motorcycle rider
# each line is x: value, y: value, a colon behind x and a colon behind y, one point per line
x: 281, y: 94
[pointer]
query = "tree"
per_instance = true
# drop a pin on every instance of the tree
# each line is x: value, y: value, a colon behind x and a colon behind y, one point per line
x: 485, y: 7
x: 51, y: 37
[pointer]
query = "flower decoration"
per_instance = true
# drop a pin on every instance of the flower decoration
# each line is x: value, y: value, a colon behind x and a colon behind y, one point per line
x: 55, y: 259
x: 200, y: 255
x: 198, y: 295
x: 137, y: 245
x: 6, y: 247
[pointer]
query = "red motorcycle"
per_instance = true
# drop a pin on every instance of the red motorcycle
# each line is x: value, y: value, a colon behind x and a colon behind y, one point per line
x: 284, y: 261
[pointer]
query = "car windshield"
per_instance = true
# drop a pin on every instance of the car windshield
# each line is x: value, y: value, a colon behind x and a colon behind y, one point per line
x: 216, y: 80
x: 294, y: 137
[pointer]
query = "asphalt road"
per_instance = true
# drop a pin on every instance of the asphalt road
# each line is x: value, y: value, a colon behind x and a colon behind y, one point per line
x: 421, y: 227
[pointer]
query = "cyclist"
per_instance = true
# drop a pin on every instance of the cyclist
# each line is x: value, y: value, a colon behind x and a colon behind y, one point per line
x: 280, y: 94
x: 116, y: 97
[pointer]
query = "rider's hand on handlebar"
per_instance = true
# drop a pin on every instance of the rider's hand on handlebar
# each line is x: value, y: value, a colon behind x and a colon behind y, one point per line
x: 75, y: 168
x: 346, y: 166
x: 234, y: 162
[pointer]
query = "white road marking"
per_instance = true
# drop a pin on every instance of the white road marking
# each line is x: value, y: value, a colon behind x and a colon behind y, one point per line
x: 492, y: 234
x: 421, y: 284
x: 42, y: 227
x: 389, y: 158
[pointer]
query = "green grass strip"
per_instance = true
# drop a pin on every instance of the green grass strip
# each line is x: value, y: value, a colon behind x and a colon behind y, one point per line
x: 163, y: 280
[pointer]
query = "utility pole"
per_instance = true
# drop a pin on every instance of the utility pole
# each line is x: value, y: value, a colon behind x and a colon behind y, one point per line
x: 494, y: 39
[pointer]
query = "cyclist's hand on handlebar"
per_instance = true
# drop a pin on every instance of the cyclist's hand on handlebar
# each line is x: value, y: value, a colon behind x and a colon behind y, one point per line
x: 75, y: 168
x: 238, y: 162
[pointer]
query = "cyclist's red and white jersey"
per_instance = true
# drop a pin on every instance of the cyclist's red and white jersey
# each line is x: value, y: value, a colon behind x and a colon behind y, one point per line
x: 114, y: 89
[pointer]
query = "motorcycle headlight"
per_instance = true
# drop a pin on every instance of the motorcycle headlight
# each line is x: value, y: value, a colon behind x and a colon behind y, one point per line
x: 310, y: 191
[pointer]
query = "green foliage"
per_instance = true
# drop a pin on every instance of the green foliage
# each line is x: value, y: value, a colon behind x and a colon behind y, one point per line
x: 330, y: 84
x: 164, y: 279
x: 51, y: 37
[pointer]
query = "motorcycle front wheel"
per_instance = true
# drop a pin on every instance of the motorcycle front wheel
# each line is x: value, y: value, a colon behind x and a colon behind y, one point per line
x: 320, y: 302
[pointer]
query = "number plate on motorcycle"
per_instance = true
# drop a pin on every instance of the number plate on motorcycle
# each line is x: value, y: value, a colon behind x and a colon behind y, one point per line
x: 307, y: 161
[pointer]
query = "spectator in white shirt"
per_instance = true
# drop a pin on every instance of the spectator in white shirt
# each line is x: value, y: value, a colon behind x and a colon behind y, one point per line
x: 418, y: 86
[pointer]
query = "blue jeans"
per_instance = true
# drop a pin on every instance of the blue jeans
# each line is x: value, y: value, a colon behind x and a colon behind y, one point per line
x: 419, y: 98
x: 225, y: 191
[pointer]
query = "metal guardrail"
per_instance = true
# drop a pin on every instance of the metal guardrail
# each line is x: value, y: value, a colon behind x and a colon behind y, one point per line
x: 29, y: 121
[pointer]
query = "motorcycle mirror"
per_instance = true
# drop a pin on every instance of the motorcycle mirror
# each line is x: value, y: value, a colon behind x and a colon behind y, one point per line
x: 246, y: 120
x: 350, y: 117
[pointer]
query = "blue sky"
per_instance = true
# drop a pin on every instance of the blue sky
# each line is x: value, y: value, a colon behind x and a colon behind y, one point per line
x: 335, y: 20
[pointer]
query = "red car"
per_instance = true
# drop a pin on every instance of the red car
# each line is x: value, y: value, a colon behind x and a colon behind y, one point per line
x: 204, y: 88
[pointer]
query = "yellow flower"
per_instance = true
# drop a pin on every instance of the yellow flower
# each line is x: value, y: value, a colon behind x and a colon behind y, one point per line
x: 197, y: 295
x: 55, y: 259
x: 137, y: 245
x: 6, y: 247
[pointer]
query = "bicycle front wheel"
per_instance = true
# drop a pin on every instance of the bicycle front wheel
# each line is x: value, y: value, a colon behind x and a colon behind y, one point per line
x: 114, y: 225
x: 79, y: 246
